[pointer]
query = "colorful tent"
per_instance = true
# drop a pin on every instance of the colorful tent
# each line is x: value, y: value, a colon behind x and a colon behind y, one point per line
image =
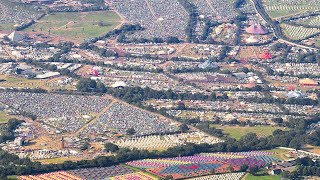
x: 257, y: 29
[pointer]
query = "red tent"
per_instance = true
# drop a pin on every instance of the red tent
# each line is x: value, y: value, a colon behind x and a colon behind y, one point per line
x: 291, y: 88
x: 266, y: 55
x: 256, y: 29
x: 94, y: 73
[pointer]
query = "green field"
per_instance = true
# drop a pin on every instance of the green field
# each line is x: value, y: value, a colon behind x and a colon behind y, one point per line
x: 280, y: 154
x: 18, y: 13
x: 7, y: 26
x: 237, y: 131
x: 277, y: 9
x: 12, y: 177
x: 4, y: 117
x: 266, y: 177
x: 277, y: 14
x: 77, y: 25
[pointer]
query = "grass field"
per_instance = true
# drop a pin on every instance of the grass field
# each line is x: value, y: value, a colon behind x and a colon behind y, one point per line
x: 4, y: 117
x: 20, y: 82
x: 57, y: 160
x: 266, y: 177
x: 283, y: 13
x: 16, y: 82
x: 7, y: 27
x: 298, y: 32
x: 237, y: 131
x: 280, y: 154
x: 12, y: 177
x: 314, y: 149
x: 77, y: 25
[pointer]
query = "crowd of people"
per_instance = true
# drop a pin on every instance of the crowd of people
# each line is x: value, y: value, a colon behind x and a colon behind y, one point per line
x: 296, y: 69
x: 253, y: 117
x: 11, y: 13
x: 217, y: 10
x: 32, y: 53
x: 160, y: 18
x: 157, y: 81
x: 121, y: 117
x: 157, y: 142
x: 66, y: 112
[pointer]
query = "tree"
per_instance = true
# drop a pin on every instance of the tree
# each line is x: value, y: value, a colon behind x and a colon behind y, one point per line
x: 295, y: 143
x: 254, y: 170
x: 213, y: 96
x: 131, y: 131
x: 101, y: 88
x: 86, y: 85
x: 168, y: 177
x: 230, y: 169
x: 172, y: 40
x: 181, y: 106
x: 184, y: 128
x: 85, y: 146
x: 244, y: 168
x: 245, y: 70
x: 110, y: 147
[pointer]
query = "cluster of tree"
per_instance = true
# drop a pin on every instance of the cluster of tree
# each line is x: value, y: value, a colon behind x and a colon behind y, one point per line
x: 208, y: 128
x: 88, y: 85
x: 101, y: 51
x: 144, y: 56
x: 137, y: 94
x: 96, y: 63
x: 50, y: 67
x: 284, y: 49
x: 85, y: 145
x: 275, y: 25
x: 121, y: 31
x: 193, y: 20
x: 314, y: 137
x: 25, y: 25
x: 238, y: 3
x: 305, y: 167
x: 196, y: 69
x: 64, y: 48
x: 224, y: 52
x: 311, y: 57
x: 12, y: 165
x: 208, y: 24
x: 170, y: 40
x: 186, y: 59
x: 7, y: 130
x: 6, y: 60
x: 95, y: 2
x: 222, y: 58
x: 272, y: 100
x: 97, y: 5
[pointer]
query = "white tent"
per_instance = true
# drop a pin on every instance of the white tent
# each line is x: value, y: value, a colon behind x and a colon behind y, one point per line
x: 14, y: 36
